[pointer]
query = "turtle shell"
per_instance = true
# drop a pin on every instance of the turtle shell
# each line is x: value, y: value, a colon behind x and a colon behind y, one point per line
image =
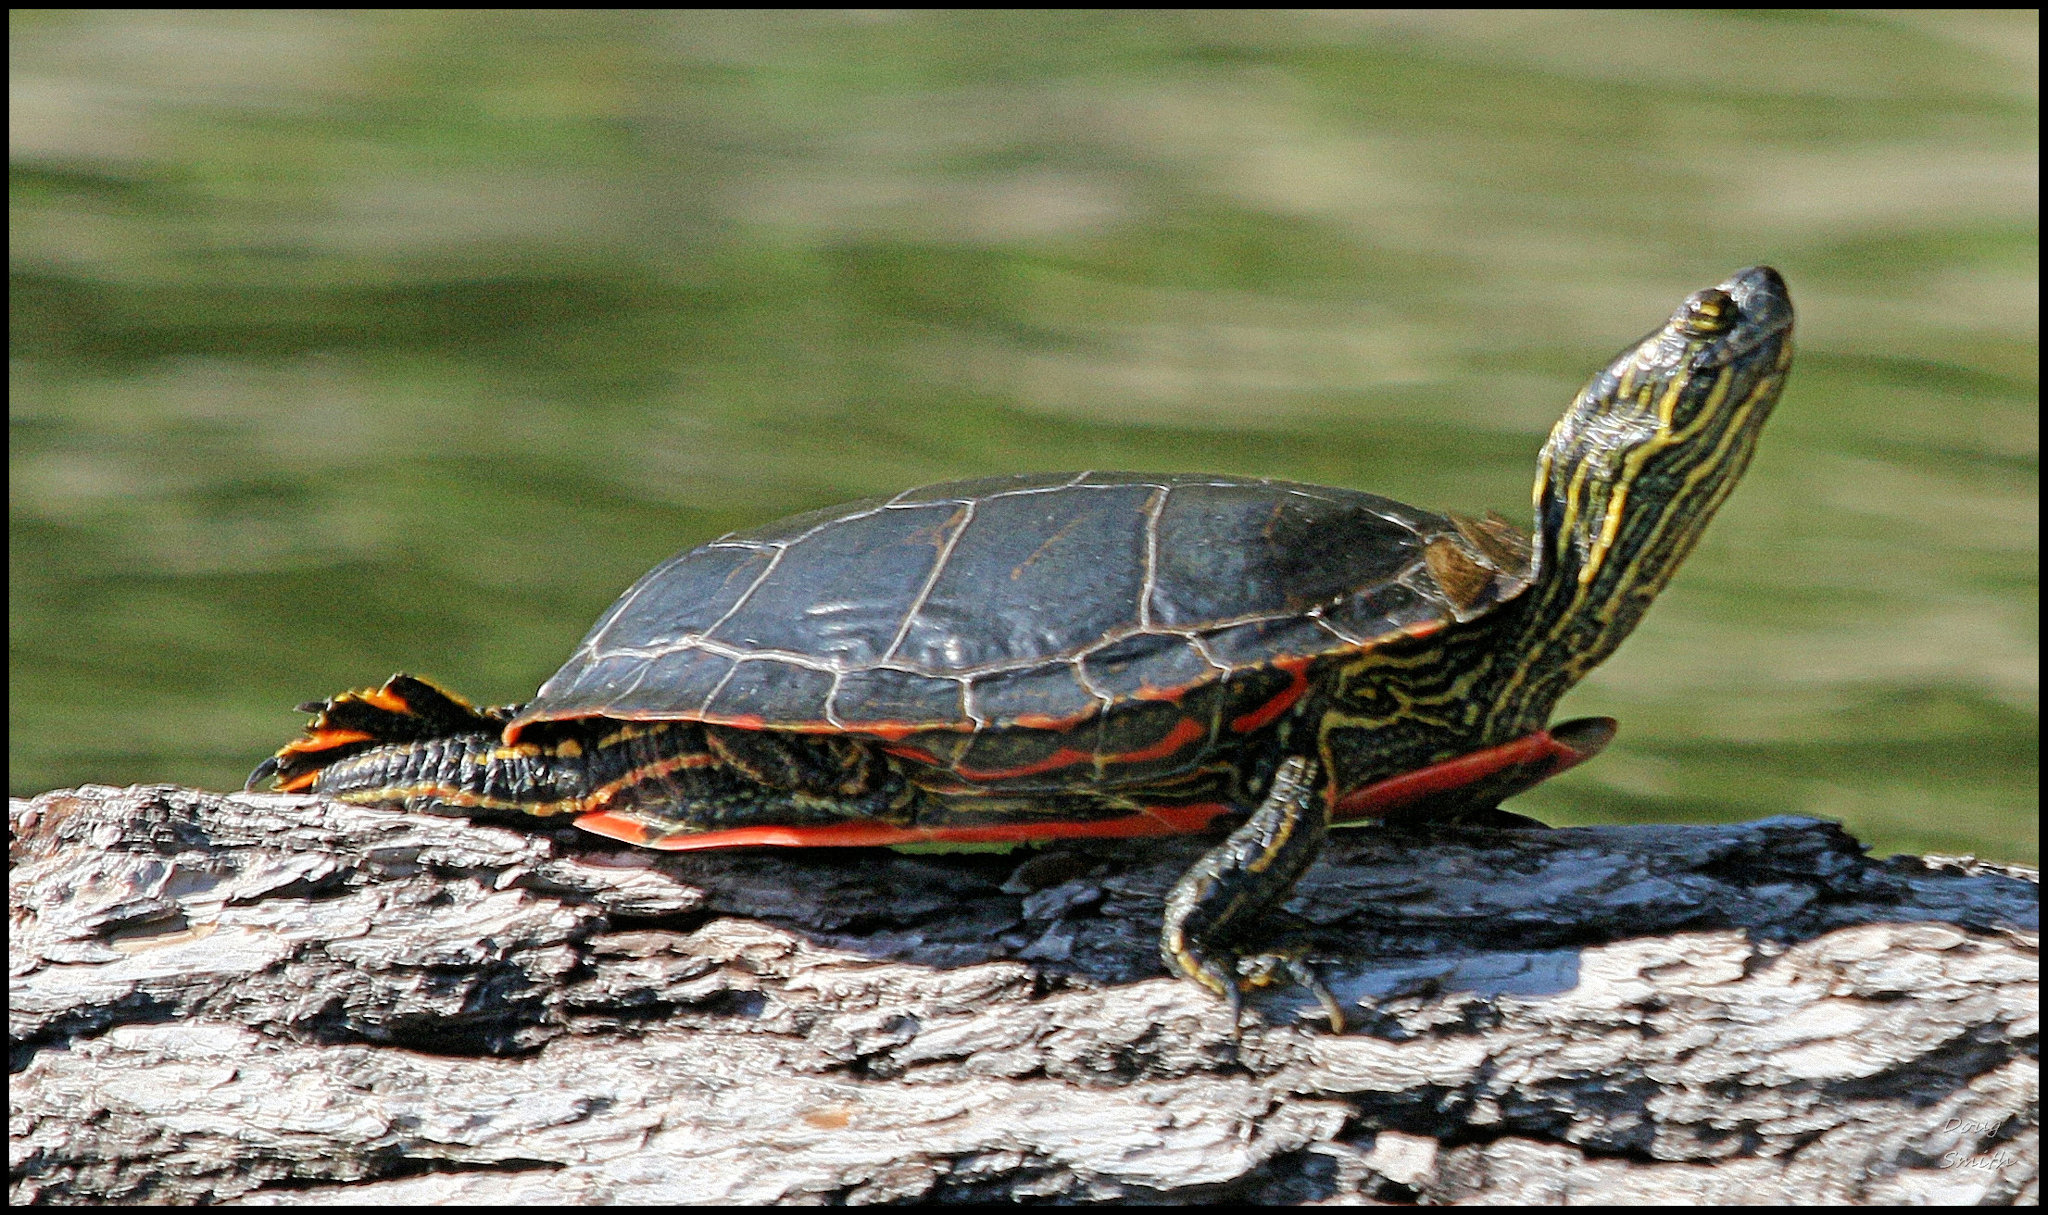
x: 1034, y: 603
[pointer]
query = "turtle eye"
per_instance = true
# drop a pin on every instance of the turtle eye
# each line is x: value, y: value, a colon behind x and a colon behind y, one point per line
x: 1705, y: 313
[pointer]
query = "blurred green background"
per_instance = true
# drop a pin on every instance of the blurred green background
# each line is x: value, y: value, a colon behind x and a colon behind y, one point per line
x: 352, y: 342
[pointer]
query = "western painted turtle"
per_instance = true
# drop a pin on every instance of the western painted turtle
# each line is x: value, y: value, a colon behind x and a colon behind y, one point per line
x: 1109, y: 654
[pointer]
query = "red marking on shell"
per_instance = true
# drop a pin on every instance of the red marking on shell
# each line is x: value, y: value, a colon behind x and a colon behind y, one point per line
x: 738, y: 721
x: 1148, y: 691
x: 1045, y: 721
x: 893, y: 730
x: 1065, y: 757
x: 1158, y: 820
x: 914, y: 754
x: 1184, y: 732
x: 1259, y: 718
x: 1180, y: 736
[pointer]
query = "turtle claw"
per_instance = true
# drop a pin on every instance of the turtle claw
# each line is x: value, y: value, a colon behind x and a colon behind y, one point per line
x: 1306, y: 976
x: 1290, y: 966
x: 1233, y: 996
x: 264, y: 771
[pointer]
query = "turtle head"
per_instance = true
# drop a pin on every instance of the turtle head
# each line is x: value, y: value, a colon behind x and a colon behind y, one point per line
x: 1634, y: 471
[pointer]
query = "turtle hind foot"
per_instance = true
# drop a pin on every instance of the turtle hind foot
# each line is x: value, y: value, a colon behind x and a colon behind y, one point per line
x: 406, y: 709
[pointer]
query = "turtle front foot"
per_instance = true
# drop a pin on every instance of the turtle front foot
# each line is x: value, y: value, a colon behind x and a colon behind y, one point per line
x: 1290, y: 964
x: 1225, y: 895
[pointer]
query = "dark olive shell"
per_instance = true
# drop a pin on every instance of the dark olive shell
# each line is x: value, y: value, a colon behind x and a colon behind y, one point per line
x: 1035, y: 601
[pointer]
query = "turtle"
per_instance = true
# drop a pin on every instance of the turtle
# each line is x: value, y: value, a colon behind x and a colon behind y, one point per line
x: 1109, y: 655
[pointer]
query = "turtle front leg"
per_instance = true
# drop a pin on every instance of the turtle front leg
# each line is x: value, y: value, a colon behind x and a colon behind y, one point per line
x: 1222, y: 898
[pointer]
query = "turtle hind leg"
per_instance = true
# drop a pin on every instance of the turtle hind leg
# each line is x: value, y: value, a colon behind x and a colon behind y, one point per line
x: 1222, y: 899
x: 413, y: 745
x: 406, y: 710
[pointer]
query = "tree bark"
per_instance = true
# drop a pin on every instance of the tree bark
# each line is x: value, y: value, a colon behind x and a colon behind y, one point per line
x: 268, y: 998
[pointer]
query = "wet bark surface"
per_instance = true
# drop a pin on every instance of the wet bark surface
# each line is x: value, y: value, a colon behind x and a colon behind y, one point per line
x: 262, y: 998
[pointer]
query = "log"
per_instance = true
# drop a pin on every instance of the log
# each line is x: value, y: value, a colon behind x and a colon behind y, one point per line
x: 286, y: 999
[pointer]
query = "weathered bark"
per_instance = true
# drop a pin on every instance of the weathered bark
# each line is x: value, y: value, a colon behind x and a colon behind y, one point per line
x: 279, y: 998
